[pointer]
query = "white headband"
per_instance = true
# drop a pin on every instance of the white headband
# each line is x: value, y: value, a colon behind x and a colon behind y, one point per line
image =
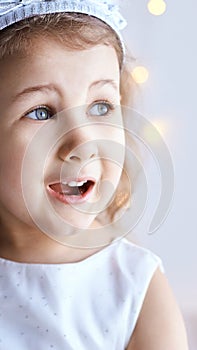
x: 12, y: 11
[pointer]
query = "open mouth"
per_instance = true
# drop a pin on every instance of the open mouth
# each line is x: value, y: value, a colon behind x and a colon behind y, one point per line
x: 72, y: 191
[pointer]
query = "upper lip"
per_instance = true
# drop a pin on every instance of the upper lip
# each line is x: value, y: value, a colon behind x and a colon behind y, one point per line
x: 68, y: 180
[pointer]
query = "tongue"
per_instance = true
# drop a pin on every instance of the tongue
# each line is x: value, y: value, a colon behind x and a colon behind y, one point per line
x: 65, y: 189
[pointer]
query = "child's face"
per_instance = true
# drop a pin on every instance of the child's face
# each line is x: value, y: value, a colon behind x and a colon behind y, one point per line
x: 61, y: 142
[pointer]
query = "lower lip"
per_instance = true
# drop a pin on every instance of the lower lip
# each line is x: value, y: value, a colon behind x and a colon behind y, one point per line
x: 72, y: 199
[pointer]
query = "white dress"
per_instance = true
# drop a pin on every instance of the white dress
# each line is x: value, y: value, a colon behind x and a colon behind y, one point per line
x: 89, y: 305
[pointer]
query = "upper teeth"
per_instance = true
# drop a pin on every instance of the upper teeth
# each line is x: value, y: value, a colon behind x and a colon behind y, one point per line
x: 74, y: 183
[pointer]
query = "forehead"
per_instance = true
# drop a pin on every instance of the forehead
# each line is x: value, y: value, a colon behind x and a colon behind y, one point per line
x: 72, y: 73
x: 97, y: 57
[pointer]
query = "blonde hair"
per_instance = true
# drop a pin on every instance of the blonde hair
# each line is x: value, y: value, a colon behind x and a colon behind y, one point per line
x: 77, y: 32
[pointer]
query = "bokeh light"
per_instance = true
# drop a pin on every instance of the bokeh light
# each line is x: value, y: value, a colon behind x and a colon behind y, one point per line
x: 153, y: 134
x: 156, y: 7
x: 140, y: 74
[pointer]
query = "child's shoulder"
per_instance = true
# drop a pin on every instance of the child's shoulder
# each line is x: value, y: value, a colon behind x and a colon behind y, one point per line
x: 135, y: 258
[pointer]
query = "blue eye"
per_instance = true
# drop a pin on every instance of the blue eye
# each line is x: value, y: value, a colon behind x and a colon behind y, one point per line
x: 40, y: 113
x: 100, y: 109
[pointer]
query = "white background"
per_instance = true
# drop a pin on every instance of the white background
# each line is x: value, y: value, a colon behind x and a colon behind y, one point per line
x: 167, y: 46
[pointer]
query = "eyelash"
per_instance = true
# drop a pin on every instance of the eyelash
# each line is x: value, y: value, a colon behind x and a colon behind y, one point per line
x: 110, y: 106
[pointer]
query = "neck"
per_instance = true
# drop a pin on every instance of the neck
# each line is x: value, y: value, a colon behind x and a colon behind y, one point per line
x: 30, y: 245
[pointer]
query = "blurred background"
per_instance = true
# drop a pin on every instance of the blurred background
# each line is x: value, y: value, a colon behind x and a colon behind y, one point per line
x: 161, y: 37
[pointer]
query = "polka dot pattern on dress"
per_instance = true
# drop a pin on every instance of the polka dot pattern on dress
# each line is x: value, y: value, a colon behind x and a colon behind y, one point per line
x: 56, y: 304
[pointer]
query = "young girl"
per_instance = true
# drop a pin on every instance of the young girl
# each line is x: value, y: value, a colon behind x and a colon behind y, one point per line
x: 66, y: 280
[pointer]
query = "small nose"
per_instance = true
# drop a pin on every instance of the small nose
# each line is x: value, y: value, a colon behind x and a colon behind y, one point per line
x: 83, y: 151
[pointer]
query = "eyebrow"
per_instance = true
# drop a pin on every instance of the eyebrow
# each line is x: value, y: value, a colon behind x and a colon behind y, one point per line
x: 104, y: 82
x: 36, y: 88
x: 52, y: 87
